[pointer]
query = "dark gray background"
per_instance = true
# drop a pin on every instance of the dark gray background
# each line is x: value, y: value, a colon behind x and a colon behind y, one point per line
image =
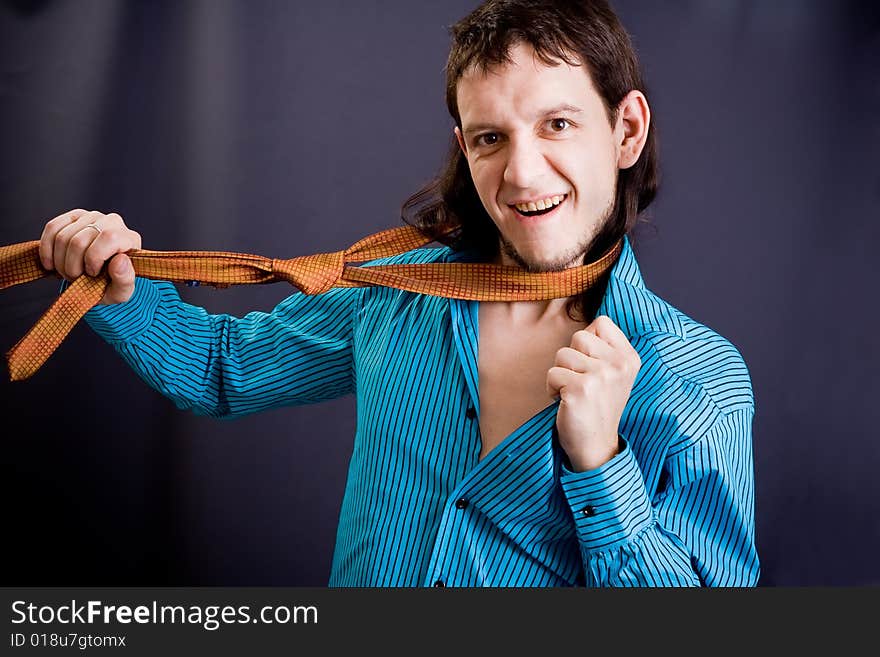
x: 289, y: 128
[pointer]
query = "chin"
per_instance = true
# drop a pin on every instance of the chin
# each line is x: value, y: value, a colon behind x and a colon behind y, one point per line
x: 541, y: 262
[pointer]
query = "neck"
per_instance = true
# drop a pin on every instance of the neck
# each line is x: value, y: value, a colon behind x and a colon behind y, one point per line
x: 528, y: 313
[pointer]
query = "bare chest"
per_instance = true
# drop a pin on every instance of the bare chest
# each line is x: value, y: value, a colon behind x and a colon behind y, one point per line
x: 512, y: 365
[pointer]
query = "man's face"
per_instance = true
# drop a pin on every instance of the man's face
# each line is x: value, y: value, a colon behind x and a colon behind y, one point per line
x: 542, y: 155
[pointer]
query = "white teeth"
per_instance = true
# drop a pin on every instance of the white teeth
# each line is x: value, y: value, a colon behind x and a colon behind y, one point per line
x: 542, y: 204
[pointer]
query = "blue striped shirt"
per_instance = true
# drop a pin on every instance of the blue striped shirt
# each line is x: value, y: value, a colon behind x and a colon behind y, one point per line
x: 674, y: 508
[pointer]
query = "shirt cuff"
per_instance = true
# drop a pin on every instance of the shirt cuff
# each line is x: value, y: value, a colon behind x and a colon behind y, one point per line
x: 610, y: 504
x: 123, y: 322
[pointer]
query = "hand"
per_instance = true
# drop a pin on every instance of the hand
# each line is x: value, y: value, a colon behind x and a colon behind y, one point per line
x: 71, y: 248
x: 593, y: 379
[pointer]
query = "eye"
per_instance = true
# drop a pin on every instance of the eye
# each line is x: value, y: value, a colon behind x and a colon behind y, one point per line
x: 487, y: 139
x: 558, y: 125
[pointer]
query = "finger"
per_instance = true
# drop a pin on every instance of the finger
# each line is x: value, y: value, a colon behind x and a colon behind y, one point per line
x: 558, y: 378
x: 104, y: 246
x: 63, y: 242
x: 50, y: 230
x: 121, y: 280
x: 576, y: 360
x: 587, y: 342
x: 626, y: 356
x: 607, y: 330
x: 77, y: 246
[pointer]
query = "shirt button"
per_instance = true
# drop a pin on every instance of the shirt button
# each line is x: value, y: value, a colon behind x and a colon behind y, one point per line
x: 588, y: 511
x: 461, y: 503
x: 471, y: 412
x: 439, y: 583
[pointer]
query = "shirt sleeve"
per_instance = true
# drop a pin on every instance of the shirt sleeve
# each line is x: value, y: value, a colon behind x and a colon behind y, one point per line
x: 698, y: 530
x: 223, y: 366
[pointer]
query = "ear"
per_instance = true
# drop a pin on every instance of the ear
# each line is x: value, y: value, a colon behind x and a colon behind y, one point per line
x: 631, y: 131
x: 460, y: 139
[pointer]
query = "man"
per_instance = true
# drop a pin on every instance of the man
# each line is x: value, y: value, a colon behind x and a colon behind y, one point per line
x: 600, y: 440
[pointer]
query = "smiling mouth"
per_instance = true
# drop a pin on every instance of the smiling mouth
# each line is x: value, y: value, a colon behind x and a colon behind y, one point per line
x: 537, y: 213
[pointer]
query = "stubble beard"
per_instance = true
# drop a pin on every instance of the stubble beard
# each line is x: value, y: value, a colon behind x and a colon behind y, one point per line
x: 574, y: 257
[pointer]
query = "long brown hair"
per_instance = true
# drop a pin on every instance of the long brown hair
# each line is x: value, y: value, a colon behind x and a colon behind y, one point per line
x: 576, y: 32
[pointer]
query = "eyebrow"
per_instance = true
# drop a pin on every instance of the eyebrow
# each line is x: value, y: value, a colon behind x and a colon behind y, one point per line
x: 559, y: 109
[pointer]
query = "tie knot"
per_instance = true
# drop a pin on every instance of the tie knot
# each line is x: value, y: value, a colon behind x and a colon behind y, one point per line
x: 313, y: 274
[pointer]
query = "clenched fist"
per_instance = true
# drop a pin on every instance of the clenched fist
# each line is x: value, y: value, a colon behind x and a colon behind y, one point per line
x: 593, y: 379
x: 80, y: 242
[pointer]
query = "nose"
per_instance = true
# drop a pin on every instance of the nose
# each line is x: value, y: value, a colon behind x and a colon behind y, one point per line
x: 525, y: 164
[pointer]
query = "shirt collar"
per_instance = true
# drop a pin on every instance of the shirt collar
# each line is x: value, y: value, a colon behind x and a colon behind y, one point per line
x: 627, y: 302
x: 631, y: 306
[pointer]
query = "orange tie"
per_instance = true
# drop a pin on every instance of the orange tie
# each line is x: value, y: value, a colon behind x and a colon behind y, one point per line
x: 313, y: 274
